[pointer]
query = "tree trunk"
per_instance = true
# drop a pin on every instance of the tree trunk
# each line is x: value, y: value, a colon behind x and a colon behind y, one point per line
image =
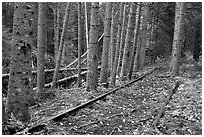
x: 106, y: 42
x: 56, y: 29
x: 178, y: 37
x: 143, y: 35
x: 42, y: 42
x: 115, y: 64
x: 137, y: 55
x: 65, y: 23
x: 79, y: 44
x: 197, y: 47
x: 128, y: 44
x: 20, y: 91
x: 4, y: 13
x: 155, y: 34
x: 112, y: 41
x: 83, y: 32
x: 137, y: 27
x: 93, y: 56
x: 121, y: 41
x: 86, y: 25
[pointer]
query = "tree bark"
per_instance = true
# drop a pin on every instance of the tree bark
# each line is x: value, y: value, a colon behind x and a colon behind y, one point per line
x: 178, y: 37
x: 128, y: 44
x: 20, y: 91
x: 42, y: 42
x: 79, y: 45
x: 115, y: 64
x: 93, y: 56
x: 106, y: 43
x: 65, y: 23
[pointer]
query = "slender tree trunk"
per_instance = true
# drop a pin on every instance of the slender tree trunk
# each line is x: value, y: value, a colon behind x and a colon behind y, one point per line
x: 143, y: 35
x: 20, y: 91
x: 137, y: 55
x: 155, y: 34
x: 115, y: 64
x: 112, y: 41
x: 65, y: 23
x: 93, y: 56
x: 128, y: 44
x: 137, y: 27
x: 83, y: 27
x: 178, y: 37
x: 42, y: 42
x: 56, y: 29
x: 79, y: 44
x: 106, y: 42
x: 86, y: 25
x: 121, y: 41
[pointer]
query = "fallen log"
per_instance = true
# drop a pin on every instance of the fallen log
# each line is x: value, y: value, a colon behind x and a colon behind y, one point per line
x: 173, y: 91
x: 65, y: 79
x: 77, y: 108
x: 62, y: 80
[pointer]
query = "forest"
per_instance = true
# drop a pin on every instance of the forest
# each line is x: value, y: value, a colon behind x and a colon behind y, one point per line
x: 101, y: 68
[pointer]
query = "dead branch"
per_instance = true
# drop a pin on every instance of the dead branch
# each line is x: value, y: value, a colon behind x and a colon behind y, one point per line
x: 176, y: 85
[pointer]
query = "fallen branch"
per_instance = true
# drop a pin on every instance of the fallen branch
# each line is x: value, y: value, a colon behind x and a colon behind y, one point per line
x: 176, y: 85
x: 77, y: 108
x: 62, y: 80
x: 76, y: 60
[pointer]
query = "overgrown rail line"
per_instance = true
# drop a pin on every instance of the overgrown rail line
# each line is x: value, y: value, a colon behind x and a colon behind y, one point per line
x: 62, y: 114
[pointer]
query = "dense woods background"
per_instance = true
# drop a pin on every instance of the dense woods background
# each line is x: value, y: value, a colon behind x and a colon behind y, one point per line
x: 49, y: 48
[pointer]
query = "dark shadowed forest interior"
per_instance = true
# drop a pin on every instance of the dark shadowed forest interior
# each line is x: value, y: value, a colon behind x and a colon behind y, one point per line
x: 101, y: 68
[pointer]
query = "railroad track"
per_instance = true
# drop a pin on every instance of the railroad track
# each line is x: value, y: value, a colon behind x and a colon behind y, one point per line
x: 73, y: 110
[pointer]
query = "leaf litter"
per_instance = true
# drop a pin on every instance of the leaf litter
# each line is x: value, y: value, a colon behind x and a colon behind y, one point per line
x: 129, y: 111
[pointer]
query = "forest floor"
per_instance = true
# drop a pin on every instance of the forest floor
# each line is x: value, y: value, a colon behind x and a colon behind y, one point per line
x: 129, y: 111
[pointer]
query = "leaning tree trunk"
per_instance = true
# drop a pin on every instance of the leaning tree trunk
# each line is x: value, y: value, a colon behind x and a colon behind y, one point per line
x: 20, y: 91
x: 106, y: 42
x: 115, y: 63
x: 79, y: 44
x: 135, y: 41
x: 178, y: 37
x: 42, y: 42
x: 59, y: 55
x: 143, y: 35
x: 128, y: 44
x: 92, y: 75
